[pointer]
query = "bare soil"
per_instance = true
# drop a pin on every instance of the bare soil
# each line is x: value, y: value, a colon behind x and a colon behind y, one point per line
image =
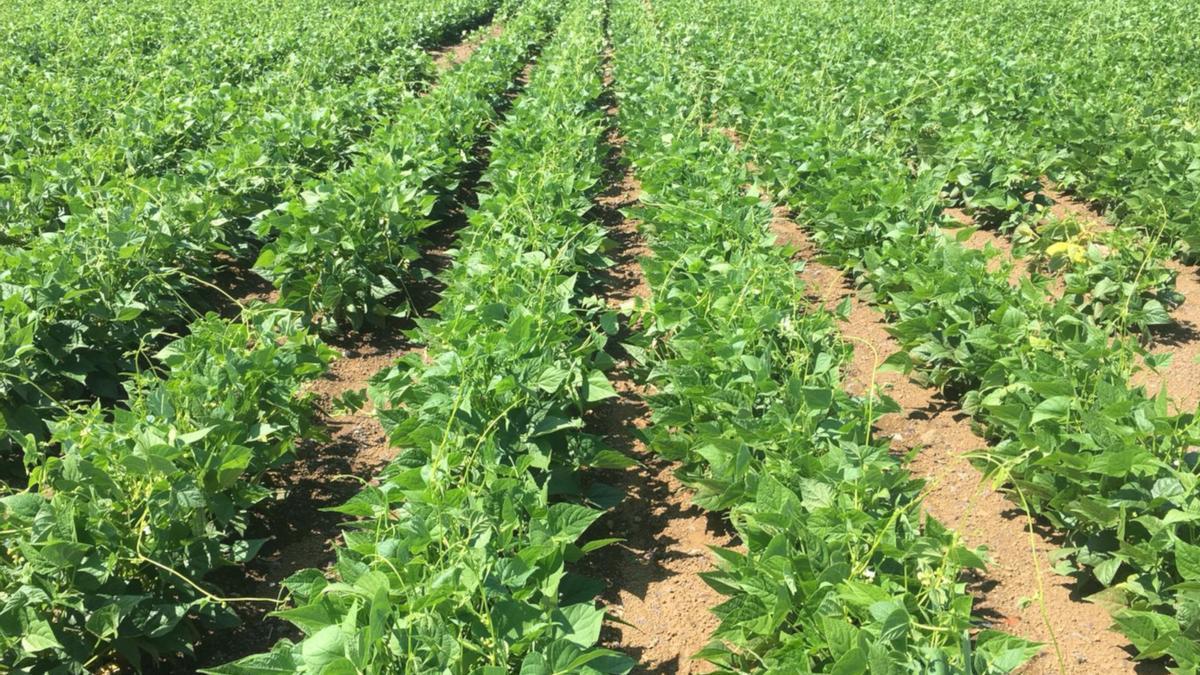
x: 445, y: 58
x: 660, y: 605
x: 1181, y: 378
x: 957, y: 494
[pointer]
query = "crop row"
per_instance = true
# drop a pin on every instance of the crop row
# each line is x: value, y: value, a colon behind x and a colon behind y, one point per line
x: 104, y: 555
x: 985, y: 158
x: 455, y: 561
x: 129, y: 509
x: 77, y: 301
x: 401, y: 181
x: 328, y: 94
x: 1100, y: 100
x: 1048, y: 383
x: 839, y: 572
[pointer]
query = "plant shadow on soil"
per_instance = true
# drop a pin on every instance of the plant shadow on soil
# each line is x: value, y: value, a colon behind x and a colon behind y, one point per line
x: 1175, y: 334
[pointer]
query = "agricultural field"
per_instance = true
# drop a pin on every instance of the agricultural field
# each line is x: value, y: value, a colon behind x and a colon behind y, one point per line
x: 599, y: 336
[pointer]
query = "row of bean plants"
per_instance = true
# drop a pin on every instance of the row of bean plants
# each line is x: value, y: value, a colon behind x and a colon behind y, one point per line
x: 1102, y: 101
x: 67, y: 68
x: 1102, y: 460
x: 335, y: 86
x: 75, y: 304
x: 839, y: 573
x: 456, y: 560
x: 403, y: 180
x: 1119, y: 277
x: 103, y: 557
x: 108, y: 548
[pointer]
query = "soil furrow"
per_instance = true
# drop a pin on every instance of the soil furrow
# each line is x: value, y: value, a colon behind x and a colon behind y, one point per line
x: 958, y: 496
x: 1019, y: 593
x: 653, y: 587
x: 445, y: 58
x: 1180, y: 378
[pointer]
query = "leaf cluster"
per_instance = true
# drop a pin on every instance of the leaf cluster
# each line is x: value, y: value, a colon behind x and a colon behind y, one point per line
x: 108, y: 549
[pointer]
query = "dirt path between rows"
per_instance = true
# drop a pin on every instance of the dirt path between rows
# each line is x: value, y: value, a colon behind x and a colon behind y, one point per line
x: 450, y: 56
x: 1181, y: 378
x: 653, y: 587
x: 1008, y: 594
x: 1019, y: 593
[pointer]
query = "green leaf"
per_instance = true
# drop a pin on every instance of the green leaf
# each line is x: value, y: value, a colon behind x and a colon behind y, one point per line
x: 323, y: 648
x: 278, y: 661
x: 1106, y: 570
x: 598, y: 387
x: 997, y: 652
x: 853, y: 662
x: 1054, y: 408
x: 39, y: 637
x: 568, y: 522
x: 1187, y: 560
x: 582, y: 624
x: 551, y: 379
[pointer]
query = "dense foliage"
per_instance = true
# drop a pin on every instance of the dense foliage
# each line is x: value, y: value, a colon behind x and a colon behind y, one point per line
x: 456, y: 561
x: 840, y: 573
x: 147, y: 146
x: 139, y: 252
x: 402, y: 180
x: 1047, y: 377
x: 107, y: 549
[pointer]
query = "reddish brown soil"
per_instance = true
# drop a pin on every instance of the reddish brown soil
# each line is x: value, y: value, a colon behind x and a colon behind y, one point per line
x: 450, y: 56
x: 958, y: 496
x: 1181, y: 378
x: 653, y: 585
x: 1063, y: 205
x: 661, y: 605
